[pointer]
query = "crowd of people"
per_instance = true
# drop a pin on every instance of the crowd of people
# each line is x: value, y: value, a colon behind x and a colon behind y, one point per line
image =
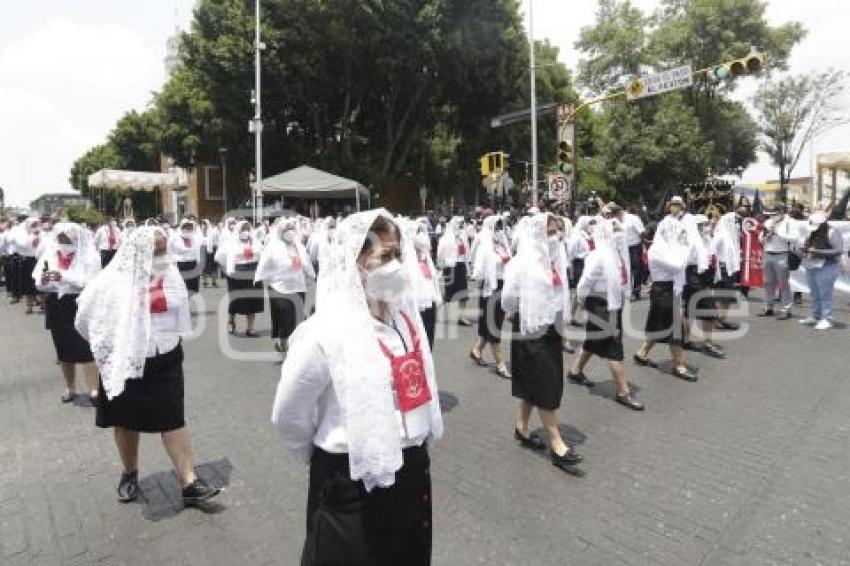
x: 358, y: 397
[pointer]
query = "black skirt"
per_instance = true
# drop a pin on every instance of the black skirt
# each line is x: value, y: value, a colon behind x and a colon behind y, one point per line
x: 603, y: 329
x: 13, y: 268
x: 537, y: 366
x: 59, y: 315
x: 246, y: 297
x: 664, y: 323
x: 105, y: 257
x: 26, y: 284
x: 210, y: 266
x: 153, y: 403
x: 491, y: 316
x: 429, y: 321
x: 694, y: 287
x: 190, y: 273
x: 287, y: 312
x: 455, y: 281
x: 576, y: 272
x: 384, y: 527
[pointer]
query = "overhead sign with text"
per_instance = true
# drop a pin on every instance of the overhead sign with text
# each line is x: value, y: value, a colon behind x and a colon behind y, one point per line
x: 650, y: 85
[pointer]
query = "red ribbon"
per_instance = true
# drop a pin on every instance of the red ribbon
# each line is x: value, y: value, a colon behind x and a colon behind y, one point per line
x: 248, y: 252
x: 158, y: 302
x: 64, y: 262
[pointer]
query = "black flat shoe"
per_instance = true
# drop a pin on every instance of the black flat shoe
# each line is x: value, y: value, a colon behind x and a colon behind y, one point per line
x: 784, y: 315
x: 464, y: 322
x: 567, y: 462
x: 712, y: 350
x: 199, y: 491
x: 685, y: 374
x: 766, y: 312
x: 644, y: 362
x: 250, y: 334
x: 723, y: 325
x: 690, y: 346
x: 477, y: 359
x: 532, y: 442
x: 575, y: 323
x: 128, y: 487
x: 630, y: 402
x: 68, y: 397
x: 579, y: 379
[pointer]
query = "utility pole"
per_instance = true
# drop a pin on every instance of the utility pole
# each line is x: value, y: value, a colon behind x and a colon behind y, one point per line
x: 258, y: 120
x: 533, y: 104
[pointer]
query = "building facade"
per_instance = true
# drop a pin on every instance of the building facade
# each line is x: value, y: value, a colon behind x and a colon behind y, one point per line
x: 51, y: 203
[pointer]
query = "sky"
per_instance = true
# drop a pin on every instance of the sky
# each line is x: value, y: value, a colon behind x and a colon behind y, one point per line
x: 70, y: 68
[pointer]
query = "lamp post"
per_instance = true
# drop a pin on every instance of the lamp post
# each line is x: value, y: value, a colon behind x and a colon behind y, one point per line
x: 423, y: 194
x: 257, y: 122
x: 533, y: 104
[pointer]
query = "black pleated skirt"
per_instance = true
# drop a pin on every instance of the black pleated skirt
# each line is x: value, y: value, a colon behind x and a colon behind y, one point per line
x: 26, y: 284
x: 13, y: 269
x: 191, y: 274
x: 210, y: 266
x: 287, y: 312
x: 59, y: 315
x: 106, y: 256
x: 455, y: 280
x: 664, y: 323
x: 537, y: 367
x: 429, y: 321
x: 384, y: 527
x: 491, y: 316
x: 603, y: 329
x: 246, y: 297
x: 576, y: 272
x: 153, y: 403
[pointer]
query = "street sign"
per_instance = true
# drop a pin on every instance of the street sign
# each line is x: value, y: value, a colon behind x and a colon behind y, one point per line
x: 560, y: 187
x: 650, y: 85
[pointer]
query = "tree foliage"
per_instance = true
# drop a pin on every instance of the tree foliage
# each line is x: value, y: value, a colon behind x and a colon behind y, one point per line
x: 792, y: 111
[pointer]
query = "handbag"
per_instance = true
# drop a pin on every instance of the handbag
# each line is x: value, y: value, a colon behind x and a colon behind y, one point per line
x: 794, y: 261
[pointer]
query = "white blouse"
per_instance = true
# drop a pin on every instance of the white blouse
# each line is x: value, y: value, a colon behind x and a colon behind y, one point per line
x: 306, y: 408
x: 167, y: 327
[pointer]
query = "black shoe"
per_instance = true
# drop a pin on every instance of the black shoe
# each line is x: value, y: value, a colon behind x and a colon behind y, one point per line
x: 198, y: 492
x: 68, y: 397
x: 464, y: 322
x: 128, y: 487
x: 630, y: 402
x: 723, y: 325
x: 277, y: 346
x: 635, y: 296
x: 575, y: 323
x: 690, y: 346
x: 579, y: 379
x: 765, y: 312
x: 798, y: 298
x: 713, y: 350
x: 784, y: 315
x: 477, y: 359
x: 685, y: 374
x: 533, y: 442
x: 644, y: 362
x: 567, y: 462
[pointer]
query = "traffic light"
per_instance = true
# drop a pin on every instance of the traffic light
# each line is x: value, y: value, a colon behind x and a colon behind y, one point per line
x: 494, y: 162
x: 485, y: 165
x: 752, y: 64
x: 566, y: 157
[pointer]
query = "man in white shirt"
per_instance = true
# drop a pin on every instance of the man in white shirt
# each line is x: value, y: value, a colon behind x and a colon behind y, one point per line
x: 106, y: 240
x: 634, y: 231
x: 777, y: 236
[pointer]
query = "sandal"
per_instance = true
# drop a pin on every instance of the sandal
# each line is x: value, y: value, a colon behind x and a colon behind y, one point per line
x: 477, y: 359
x: 503, y: 372
x: 685, y: 374
x: 250, y: 334
x: 644, y: 362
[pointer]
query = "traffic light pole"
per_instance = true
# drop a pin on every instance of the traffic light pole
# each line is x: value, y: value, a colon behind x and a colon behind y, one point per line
x: 533, y: 104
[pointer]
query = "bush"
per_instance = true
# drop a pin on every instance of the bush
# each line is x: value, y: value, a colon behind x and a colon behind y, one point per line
x: 83, y: 215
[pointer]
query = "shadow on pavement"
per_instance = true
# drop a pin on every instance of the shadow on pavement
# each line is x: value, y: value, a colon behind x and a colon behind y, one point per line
x: 607, y: 389
x: 448, y: 401
x: 160, y: 492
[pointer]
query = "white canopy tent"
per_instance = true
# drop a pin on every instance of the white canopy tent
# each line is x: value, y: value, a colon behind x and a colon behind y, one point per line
x: 309, y: 183
x: 137, y: 180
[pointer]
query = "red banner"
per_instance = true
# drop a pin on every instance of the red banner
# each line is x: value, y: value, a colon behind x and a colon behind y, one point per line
x: 752, y: 258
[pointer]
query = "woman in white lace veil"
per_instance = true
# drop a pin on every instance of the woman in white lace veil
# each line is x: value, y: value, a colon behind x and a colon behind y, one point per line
x: 358, y: 399
x: 134, y: 314
x: 603, y: 289
x: 239, y: 255
x: 668, y: 259
x: 536, y: 292
x: 66, y: 265
x: 426, y: 280
x: 492, y: 254
x: 453, y: 254
x: 285, y: 268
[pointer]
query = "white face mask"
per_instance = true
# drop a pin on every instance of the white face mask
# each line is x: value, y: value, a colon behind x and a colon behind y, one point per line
x: 386, y: 283
x: 66, y: 249
x: 289, y: 236
x: 244, y: 236
x: 421, y: 242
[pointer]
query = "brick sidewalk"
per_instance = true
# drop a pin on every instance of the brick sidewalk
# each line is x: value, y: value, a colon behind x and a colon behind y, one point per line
x: 748, y: 466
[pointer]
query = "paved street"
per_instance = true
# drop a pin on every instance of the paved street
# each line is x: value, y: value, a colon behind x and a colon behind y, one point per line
x: 749, y: 466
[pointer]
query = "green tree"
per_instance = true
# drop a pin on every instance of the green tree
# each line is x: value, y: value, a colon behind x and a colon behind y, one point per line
x: 137, y: 138
x: 793, y: 111
x: 104, y: 156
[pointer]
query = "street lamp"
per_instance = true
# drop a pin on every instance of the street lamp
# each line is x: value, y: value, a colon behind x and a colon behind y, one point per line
x: 533, y: 104
x: 423, y: 194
